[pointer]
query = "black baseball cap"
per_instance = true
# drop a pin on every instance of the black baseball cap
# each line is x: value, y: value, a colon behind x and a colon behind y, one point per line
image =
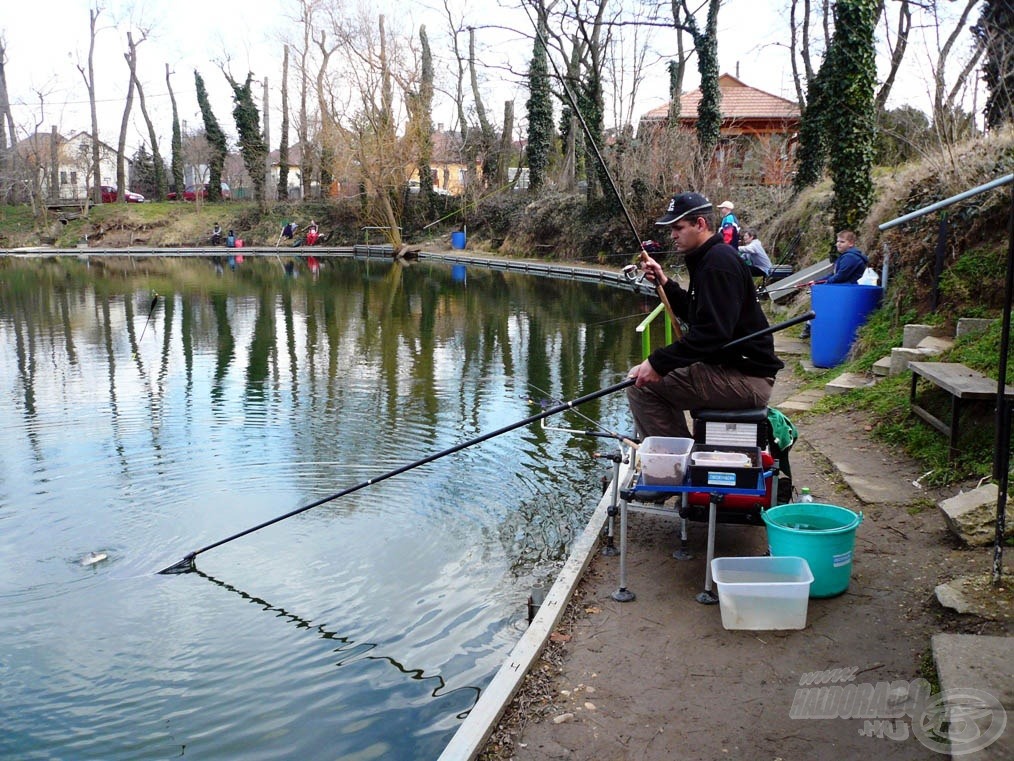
x: 683, y: 204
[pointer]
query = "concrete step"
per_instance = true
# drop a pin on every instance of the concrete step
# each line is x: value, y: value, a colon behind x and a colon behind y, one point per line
x: 848, y: 381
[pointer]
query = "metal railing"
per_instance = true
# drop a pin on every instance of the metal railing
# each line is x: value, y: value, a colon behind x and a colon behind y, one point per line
x: 643, y: 327
x: 1001, y: 449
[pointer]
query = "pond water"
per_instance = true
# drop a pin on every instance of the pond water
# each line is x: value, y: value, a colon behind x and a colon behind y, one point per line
x: 145, y: 417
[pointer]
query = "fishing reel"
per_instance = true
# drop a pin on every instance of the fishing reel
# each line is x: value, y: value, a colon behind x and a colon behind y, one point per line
x: 633, y: 274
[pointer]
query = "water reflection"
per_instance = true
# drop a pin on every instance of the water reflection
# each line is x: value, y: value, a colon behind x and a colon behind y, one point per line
x: 240, y: 397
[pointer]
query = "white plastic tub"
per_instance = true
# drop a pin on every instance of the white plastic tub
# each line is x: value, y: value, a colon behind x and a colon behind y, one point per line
x: 762, y: 592
x: 664, y: 460
x: 730, y: 459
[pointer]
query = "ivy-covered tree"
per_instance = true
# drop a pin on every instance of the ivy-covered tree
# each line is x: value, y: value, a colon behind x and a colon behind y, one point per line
x: 176, y: 162
x: 589, y: 100
x: 709, y: 110
x: 425, y: 121
x: 251, y: 139
x: 283, y: 143
x: 216, y: 141
x: 811, y: 152
x: 994, y: 30
x: 851, y: 94
x: 540, y: 113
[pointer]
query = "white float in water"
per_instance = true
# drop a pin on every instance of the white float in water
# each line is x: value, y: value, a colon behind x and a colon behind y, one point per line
x: 93, y: 557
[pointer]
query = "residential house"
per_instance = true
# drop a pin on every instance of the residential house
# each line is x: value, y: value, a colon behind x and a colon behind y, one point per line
x: 450, y: 168
x: 50, y: 156
x: 758, y: 133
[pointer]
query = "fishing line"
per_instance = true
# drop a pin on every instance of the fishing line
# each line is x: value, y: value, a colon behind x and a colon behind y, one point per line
x: 605, y: 171
x: 602, y: 430
x: 187, y: 564
x: 616, y: 319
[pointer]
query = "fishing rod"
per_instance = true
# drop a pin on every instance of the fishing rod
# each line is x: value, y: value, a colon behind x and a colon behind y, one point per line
x: 186, y: 565
x: 605, y: 170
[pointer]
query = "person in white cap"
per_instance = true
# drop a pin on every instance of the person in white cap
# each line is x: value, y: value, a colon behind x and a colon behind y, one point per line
x: 729, y: 224
x: 719, y: 306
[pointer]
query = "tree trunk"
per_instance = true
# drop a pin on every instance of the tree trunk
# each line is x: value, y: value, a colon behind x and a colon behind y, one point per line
x: 121, y: 145
x: 283, y: 145
x: 8, y: 137
x: 89, y: 80
x: 305, y: 167
x: 177, y: 143
x: 160, y: 181
x: 897, y: 55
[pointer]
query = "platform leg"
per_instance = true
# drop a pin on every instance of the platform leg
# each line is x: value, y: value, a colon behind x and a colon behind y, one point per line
x: 609, y: 550
x: 683, y: 553
x: 708, y: 597
x: 623, y: 594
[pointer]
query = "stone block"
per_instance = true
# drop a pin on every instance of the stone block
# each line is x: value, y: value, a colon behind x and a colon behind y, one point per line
x: 914, y: 334
x: 968, y: 325
x: 900, y: 358
x: 882, y: 366
x: 934, y: 345
x: 971, y: 515
x: 847, y: 382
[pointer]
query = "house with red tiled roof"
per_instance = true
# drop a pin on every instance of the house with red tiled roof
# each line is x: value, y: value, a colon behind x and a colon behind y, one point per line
x: 758, y: 133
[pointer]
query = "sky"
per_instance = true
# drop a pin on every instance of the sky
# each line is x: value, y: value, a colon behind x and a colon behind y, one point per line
x: 245, y: 35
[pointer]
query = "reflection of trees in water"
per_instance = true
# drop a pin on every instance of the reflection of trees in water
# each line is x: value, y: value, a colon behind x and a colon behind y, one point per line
x: 349, y: 650
x: 378, y: 348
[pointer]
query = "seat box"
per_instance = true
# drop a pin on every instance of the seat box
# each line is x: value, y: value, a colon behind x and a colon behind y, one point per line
x: 714, y: 465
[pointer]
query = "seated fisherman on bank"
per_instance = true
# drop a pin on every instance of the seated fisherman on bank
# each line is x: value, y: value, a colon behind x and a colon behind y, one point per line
x: 719, y: 306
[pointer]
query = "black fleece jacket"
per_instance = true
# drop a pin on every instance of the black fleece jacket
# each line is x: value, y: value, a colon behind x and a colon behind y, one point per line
x: 720, y: 306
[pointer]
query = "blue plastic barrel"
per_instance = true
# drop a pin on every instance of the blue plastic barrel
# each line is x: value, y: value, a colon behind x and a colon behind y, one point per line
x: 458, y: 240
x: 841, y: 309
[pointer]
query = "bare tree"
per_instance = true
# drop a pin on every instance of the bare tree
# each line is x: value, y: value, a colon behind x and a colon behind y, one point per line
x: 897, y: 49
x: 121, y: 145
x: 160, y: 180
x: 944, y: 99
x: 8, y: 136
x: 89, y: 80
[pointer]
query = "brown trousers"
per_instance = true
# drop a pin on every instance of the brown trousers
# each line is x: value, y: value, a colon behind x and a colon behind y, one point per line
x: 659, y: 408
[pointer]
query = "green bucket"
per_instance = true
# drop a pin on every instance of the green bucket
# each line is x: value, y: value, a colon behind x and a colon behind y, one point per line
x: 825, y: 535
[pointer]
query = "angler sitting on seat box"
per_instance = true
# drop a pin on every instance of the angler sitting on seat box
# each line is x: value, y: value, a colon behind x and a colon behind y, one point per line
x: 719, y: 306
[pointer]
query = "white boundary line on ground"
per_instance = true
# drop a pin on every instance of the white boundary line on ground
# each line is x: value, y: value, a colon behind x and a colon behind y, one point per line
x: 473, y: 733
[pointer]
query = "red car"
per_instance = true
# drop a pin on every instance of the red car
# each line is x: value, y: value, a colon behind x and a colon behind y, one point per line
x: 109, y: 195
x: 191, y: 192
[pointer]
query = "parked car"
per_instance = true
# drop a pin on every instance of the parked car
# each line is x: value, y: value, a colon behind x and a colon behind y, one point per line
x: 190, y: 192
x: 413, y: 187
x: 109, y: 194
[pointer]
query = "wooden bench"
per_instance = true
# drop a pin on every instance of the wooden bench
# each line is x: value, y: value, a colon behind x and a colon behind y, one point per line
x: 962, y: 383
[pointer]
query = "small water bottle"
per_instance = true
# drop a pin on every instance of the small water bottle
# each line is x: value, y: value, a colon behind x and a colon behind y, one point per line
x: 804, y: 495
